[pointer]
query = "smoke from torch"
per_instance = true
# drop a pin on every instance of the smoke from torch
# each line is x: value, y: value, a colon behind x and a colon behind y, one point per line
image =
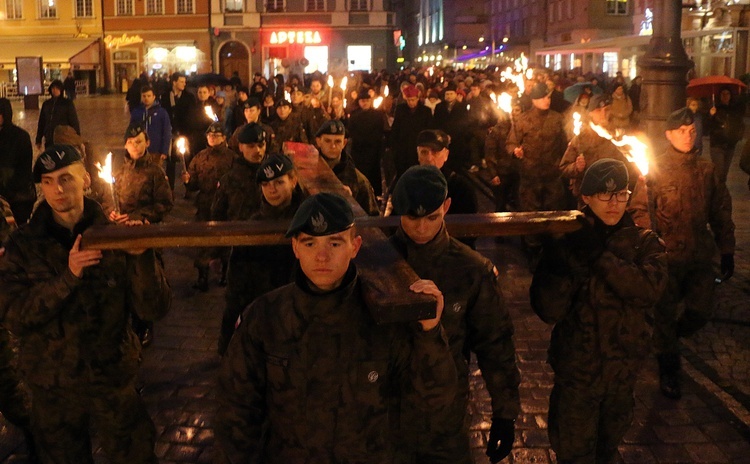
x: 105, y: 174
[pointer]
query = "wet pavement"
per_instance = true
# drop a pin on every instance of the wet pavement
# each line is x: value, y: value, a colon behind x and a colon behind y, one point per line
x: 710, y: 424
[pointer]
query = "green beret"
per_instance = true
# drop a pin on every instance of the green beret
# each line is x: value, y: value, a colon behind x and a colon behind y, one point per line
x: 599, y: 101
x: 273, y: 167
x: 539, y: 91
x: 331, y: 127
x: 322, y: 214
x: 419, y: 191
x: 605, y: 175
x: 55, y: 157
x: 134, y: 130
x: 215, y: 128
x: 252, y: 133
x: 679, y: 118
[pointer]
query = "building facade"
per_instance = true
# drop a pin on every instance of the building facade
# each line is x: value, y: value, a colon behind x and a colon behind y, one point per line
x: 302, y: 36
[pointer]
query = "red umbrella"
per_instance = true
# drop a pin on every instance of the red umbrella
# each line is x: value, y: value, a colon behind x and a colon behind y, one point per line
x: 709, y: 85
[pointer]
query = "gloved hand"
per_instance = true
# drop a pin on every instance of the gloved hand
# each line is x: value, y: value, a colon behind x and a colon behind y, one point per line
x: 585, y: 243
x: 727, y: 266
x: 500, y: 443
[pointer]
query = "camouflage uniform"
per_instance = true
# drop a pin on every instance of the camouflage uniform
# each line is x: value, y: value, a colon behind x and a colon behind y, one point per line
x: 289, y: 130
x: 256, y: 270
x: 361, y: 189
x: 475, y: 319
x: 142, y: 190
x: 601, y: 335
x: 237, y: 194
x: 311, y: 377
x: 502, y: 165
x: 78, y: 353
x: 272, y: 145
x: 684, y: 195
x: 542, y: 136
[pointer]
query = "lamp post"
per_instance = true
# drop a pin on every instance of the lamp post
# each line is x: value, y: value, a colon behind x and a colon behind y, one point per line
x: 664, y: 68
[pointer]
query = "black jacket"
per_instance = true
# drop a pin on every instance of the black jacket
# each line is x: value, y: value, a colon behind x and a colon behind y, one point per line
x: 55, y: 112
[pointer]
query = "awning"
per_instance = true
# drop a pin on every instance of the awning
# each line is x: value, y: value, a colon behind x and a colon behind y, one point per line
x: 614, y: 44
x: 77, y: 51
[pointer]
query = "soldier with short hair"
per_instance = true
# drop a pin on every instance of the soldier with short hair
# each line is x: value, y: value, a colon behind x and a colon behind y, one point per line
x: 309, y: 375
x: 598, y: 286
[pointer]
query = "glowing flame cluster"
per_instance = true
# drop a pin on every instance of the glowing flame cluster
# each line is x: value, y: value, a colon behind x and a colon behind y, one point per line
x: 636, y: 151
x: 577, y: 123
x: 210, y: 113
x: 182, y: 145
x: 504, y: 101
x: 343, y: 88
x: 105, y: 171
x: 377, y: 102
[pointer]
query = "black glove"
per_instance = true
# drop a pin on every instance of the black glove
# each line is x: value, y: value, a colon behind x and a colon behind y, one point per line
x: 500, y: 443
x: 727, y: 266
x: 585, y: 243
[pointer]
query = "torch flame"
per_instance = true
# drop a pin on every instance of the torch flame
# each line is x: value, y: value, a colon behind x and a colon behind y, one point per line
x: 577, y: 123
x: 636, y: 151
x: 330, y: 81
x: 210, y: 113
x: 493, y: 97
x: 386, y: 91
x: 377, y: 102
x: 287, y: 96
x: 505, y: 102
x: 343, y: 83
x: 529, y: 73
x: 182, y: 145
x: 105, y: 171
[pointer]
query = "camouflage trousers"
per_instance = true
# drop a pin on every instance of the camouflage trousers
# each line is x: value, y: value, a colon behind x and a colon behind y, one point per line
x: 588, y: 421
x: 61, y: 417
x: 539, y: 195
x: 12, y: 399
x: 685, y: 307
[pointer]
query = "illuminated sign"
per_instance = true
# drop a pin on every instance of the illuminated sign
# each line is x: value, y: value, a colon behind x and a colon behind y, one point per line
x: 122, y: 41
x: 300, y: 37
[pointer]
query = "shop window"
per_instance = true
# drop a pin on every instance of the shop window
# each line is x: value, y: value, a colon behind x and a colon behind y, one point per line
x: 84, y: 8
x: 610, y: 64
x: 47, y: 9
x: 358, y: 5
x: 14, y: 9
x: 234, y: 6
x: 317, y: 56
x: 124, y: 7
x: 617, y: 7
x: 274, y: 6
x: 155, y: 7
x: 316, y: 5
x: 185, y: 6
x: 359, y: 57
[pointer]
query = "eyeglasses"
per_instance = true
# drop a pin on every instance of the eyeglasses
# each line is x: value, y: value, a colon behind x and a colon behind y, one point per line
x: 622, y: 196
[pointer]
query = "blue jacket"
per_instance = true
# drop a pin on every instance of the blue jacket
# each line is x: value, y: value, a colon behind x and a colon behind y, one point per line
x: 158, y: 126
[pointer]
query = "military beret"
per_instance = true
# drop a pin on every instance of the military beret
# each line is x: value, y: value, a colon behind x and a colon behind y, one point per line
x: 435, y: 139
x: 419, y: 191
x: 215, y: 128
x: 134, y: 130
x: 599, y: 101
x: 539, y: 91
x: 363, y: 95
x: 331, y: 127
x: 410, y: 91
x: 273, y: 167
x: 53, y: 158
x: 252, y: 133
x: 679, y: 118
x: 605, y: 175
x: 283, y: 102
x: 450, y: 87
x: 322, y: 214
x: 251, y: 102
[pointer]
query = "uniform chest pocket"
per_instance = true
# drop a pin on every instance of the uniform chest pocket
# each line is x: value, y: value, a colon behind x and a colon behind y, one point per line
x: 371, y: 383
x: 277, y: 366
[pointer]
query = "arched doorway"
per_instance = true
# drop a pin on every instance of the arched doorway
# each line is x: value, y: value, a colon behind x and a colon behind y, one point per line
x: 233, y: 58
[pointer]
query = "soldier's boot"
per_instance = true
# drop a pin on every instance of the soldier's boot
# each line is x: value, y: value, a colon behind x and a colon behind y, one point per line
x: 202, y: 283
x: 223, y: 279
x: 669, y: 375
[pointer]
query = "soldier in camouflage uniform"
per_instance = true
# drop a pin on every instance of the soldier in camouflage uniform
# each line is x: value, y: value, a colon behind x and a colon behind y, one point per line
x: 203, y: 175
x: 475, y: 320
x: 685, y: 196
x: 142, y: 187
x: 309, y: 376
x: 588, y: 147
x: 597, y: 285
x: 255, y: 270
x: 289, y: 127
x: 502, y: 168
x: 70, y: 308
x: 252, y: 111
x: 331, y: 139
x: 237, y: 194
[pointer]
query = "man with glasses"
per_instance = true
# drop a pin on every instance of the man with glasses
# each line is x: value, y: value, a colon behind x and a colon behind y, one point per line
x: 685, y: 195
x: 597, y: 285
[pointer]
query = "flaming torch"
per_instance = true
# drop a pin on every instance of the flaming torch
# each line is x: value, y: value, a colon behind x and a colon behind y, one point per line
x: 505, y: 103
x: 105, y: 174
x: 330, y: 89
x: 182, y: 148
x: 386, y: 91
x: 343, y: 89
x: 577, y: 123
x: 287, y: 96
x: 632, y: 147
x: 377, y: 102
x: 210, y: 113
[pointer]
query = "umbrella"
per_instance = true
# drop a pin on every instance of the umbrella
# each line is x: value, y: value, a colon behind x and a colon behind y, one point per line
x: 208, y: 79
x: 571, y: 93
x: 709, y: 85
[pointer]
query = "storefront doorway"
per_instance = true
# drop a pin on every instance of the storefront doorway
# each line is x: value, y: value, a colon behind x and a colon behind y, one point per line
x: 125, y: 68
x: 233, y: 57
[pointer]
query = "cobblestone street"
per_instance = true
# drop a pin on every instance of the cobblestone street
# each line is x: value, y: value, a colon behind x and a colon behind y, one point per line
x: 710, y: 424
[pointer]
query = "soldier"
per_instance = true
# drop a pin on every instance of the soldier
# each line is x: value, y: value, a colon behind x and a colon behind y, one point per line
x: 482, y: 115
x: 288, y: 128
x: 309, y: 375
x: 70, y: 308
x: 367, y: 127
x: 331, y: 138
x: 206, y: 169
x: 256, y: 270
x: 251, y: 110
x: 502, y: 168
x: 476, y: 321
x: 685, y: 195
x: 597, y: 285
x: 589, y: 147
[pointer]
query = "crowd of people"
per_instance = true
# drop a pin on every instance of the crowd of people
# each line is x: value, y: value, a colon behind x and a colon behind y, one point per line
x: 307, y: 375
